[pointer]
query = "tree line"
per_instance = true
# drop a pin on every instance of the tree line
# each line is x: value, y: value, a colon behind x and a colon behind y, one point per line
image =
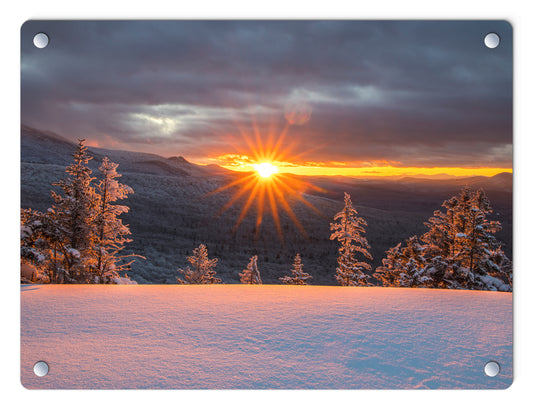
x: 459, y: 251
x: 81, y: 239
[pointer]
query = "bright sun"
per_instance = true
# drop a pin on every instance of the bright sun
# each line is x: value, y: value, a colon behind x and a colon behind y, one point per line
x: 267, y: 187
x: 265, y: 169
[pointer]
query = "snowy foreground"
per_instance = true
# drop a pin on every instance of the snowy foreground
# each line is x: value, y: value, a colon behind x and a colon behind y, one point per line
x: 270, y: 336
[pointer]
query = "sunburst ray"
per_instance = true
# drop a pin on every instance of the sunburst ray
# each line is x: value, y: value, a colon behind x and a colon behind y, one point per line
x: 266, y: 186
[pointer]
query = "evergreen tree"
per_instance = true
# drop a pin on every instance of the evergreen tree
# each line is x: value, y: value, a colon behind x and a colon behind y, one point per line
x: 202, y: 269
x: 297, y: 276
x: 74, y: 212
x: 391, y: 267
x: 251, y: 274
x: 111, y: 233
x: 34, y: 250
x: 498, y: 268
x: 436, y: 270
x: 462, y: 238
x: 459, y: 250
x: 42, y: 246
x: 404, y: 266
x: 413, y: 262
x: 497, y: 264
x: 349, y: 230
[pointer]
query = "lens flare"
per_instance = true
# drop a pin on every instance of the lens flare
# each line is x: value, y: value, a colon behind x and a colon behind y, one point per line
x: 298, y: 112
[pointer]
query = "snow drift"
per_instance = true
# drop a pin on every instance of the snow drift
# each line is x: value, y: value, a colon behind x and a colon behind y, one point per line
x: 257, y: 337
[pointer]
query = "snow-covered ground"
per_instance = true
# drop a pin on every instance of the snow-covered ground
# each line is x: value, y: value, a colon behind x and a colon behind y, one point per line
x: 270, y: 336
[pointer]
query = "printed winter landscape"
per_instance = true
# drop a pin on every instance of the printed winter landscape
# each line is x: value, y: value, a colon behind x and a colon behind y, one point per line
x: 323, y: 204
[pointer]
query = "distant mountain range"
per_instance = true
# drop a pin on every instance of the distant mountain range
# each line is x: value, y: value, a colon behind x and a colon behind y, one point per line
x: 45, y: 147
x: 170, y: 213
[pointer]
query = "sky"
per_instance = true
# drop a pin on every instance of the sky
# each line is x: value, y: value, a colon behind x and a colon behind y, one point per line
x: 312, y: 97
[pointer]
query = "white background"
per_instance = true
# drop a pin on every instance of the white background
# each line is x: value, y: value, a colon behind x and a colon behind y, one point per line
x: 518, y: 396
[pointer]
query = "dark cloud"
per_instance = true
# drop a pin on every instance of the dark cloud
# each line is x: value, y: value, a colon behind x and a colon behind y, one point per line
x: 421, y: 93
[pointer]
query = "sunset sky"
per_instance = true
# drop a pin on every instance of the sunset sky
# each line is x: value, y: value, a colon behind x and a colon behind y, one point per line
x: 315, y: 98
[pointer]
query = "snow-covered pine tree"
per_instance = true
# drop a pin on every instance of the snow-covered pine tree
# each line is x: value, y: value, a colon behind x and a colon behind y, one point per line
x: 202, y: 269
x: 413, y: 262
x: 43, y: 246
x: 498, y: 265
x: 413, y: 276
x: 391, y: 267
x: 251, y: 274
x: 75, y: 212
x: 436, y: 270
x: 460, y: 243
x: 479, y: 241
x: 404, y: 266
x: 498, y: 269
x: 111, y: 233
x: 34, y: 247
x: 297, y: 276
x: 349, y: 230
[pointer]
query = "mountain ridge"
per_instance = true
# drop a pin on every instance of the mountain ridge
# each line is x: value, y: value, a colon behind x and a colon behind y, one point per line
x: 176, y: 164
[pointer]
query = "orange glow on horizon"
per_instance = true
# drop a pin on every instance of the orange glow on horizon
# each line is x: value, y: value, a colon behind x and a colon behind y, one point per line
x: 271, y: 169
x: 365, y: 171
